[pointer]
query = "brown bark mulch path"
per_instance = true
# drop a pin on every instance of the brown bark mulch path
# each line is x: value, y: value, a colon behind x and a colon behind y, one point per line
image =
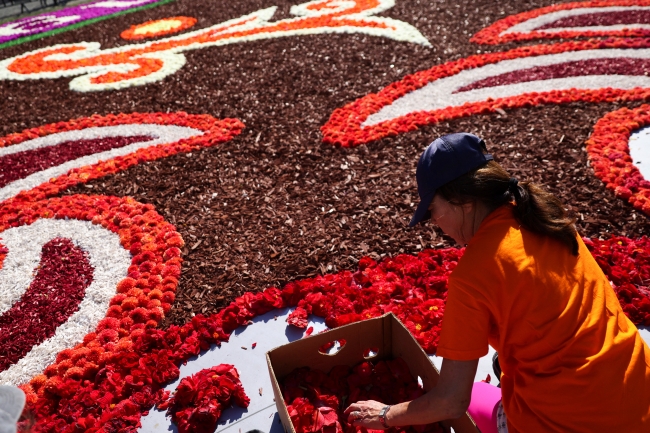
x: 275, y: 204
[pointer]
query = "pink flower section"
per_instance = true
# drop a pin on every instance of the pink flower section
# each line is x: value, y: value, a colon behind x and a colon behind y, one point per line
x: 601, y: 19
x: 618, y: 66
x: 21, y: 164
x: 495, y: 33
x: 55, y: 293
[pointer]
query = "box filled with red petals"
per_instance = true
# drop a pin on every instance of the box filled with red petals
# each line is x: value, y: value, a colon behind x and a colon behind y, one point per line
x: 381, y: 338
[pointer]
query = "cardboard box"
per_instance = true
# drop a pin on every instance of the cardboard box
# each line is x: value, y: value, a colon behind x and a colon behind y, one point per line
x: 385, y: 333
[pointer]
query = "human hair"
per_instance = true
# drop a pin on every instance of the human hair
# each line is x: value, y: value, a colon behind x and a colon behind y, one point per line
x: 534, y: 208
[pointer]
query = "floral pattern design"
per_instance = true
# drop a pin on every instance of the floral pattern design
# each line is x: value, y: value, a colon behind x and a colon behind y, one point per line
x: 447, y: 91
x: 134, y: 228
x: 183, y: 133
x: 117, y: 234
x: 610, y: 155
x: 104, y: 375
x: 153, y: 29
x: 619, y: 18
x: 48, y: 23
x: 153, y: 61
x: 58, y: 287
x: 136, y: 366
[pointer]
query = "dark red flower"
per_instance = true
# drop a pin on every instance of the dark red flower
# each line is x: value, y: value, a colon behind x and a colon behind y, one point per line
x: 298, y: 318
x: 200, y: 399
x: 315, y: 400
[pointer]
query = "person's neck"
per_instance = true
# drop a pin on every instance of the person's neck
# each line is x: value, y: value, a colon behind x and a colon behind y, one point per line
x: 481, y: 211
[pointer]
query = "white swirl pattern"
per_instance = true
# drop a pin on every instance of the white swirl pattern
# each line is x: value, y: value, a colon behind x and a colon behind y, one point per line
x: 443, y: 93
x: 533, y: 24
x: 162, y: 134
x: 640, y: 150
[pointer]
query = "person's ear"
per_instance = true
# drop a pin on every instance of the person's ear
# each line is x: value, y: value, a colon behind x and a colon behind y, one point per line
x: 468, y: 207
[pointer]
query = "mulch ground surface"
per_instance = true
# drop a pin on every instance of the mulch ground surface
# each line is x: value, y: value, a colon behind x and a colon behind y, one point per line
x: 275, y: 203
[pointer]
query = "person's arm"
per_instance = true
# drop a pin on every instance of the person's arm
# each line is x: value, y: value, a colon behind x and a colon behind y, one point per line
x: 448, y: 400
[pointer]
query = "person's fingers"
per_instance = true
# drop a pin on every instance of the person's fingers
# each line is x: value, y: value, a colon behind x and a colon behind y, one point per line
x: 359, y: 405
x: 358, y: 421
x: 353, y: 416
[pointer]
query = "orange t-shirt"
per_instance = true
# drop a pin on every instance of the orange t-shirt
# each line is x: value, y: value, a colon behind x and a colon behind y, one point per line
x: 571, y: 360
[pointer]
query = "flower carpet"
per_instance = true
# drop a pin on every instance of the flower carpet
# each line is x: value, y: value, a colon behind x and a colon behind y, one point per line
x: 184, y: 185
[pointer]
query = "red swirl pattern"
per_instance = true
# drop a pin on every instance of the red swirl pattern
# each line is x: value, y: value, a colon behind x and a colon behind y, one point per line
x: 148, y: 290
x: 215, y: 132
x: 610, y: 155
x: 142, y: 297
x: 21, y: 164
x: 493, y: 34
x: 344, y: 127
x: 57, y: 289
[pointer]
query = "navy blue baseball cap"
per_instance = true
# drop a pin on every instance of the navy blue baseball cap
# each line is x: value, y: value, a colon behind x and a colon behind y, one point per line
x: 447, y: 158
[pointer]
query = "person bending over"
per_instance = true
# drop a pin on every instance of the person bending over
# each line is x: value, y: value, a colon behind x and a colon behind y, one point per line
x: 528, y: 286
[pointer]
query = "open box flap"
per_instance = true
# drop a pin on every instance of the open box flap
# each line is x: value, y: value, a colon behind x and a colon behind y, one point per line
x: 385, y: 334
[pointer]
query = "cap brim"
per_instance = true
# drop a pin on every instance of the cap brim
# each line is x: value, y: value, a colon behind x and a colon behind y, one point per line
x: 422, y: 212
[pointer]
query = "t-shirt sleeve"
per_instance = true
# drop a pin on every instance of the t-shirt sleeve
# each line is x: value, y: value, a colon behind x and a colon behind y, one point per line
x: 465, y: 325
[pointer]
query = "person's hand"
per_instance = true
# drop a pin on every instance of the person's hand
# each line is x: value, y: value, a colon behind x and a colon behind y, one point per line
x: 365, y: 414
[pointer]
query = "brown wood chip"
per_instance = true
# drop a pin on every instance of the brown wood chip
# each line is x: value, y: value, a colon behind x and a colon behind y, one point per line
x: 234, y: 200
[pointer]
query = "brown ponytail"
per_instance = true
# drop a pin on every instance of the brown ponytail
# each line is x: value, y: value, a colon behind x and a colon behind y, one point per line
x: 535, y: 209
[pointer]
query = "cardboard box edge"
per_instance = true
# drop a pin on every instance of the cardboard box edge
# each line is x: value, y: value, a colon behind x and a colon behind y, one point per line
x: 464, y: 424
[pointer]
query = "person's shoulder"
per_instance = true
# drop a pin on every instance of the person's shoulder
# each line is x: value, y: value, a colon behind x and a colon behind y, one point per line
x: 497, y: 231
x: 496, y: 242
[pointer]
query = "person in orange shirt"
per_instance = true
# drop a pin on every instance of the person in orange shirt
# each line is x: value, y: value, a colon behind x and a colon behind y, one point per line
x: 527, y: 285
